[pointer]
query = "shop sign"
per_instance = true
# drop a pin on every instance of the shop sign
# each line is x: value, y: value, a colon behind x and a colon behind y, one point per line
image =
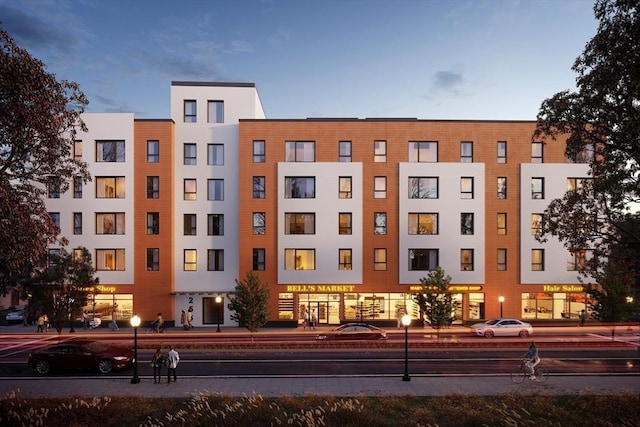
x: 452, y: 288
x: 562, y: 288
x: 321, y: 288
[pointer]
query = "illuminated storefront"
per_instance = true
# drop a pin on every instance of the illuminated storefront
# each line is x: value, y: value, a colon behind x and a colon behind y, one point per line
x: 554, y: 302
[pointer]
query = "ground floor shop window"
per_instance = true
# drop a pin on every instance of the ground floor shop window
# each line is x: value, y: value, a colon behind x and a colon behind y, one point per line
x: 553, y: 305
x: 476, y: 306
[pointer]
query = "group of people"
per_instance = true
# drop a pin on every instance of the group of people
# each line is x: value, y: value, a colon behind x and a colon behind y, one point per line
x: 309, y: 320
x: 170, y: 360
x: 43, y: 323
x: 186, y: 319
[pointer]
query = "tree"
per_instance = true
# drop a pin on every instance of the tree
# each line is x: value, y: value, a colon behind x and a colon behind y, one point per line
x: 601, y: 121
x: 39, y: 118
x: 250, y: 302
x: 612, y: 300
x: 435, y: 300
x: 59, y: 289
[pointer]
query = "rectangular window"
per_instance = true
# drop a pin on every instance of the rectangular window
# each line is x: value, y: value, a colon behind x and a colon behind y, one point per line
x: 53, y: 188
x: 466, y: 187
x: 190, y: 262
x: 466, y: 152
x: 380, y: 187
x: 344, y: 151
x: 77, y: 187
x: 259, y: 259
x: 537, y: 188
x: 379, y: 223
x: 423, y: 187
x: 190, y: 111
x: 344, y: 223
x: 110, y: 223
x: 259, y: 223
x: 153, y: 151
x: 110, y: 187
x: 423, y: 259
x: 153, y: 259
x: 215, y: 189
x: 189, y: 224
x: 299, y: 259
x: 153, y: 223
x: 502, y: 259
x: 502, y: 187
x: 215, y: 260
x: 299, y: 187
x: 215, y: 225
x: 502, y: 223
x: 423, y: 152
x: 423, y: 223
x: 110, y: 260
x: 190, y: 154
x: 215, y: 154
x: 53, y: 256
x: 299, y: 223
x: 190, y: 189
x: 577, y: 260
x: 77, y: 150
x: 344, y: 187
x: 537, y: 151
x: 153, y: 187
x: 300, y: 151
x: 259, y: 191
x: 502, y: 152
x: 536, y: 223
x: 380, y: 259
x: 110, y: 151
x: 466, y: 259
x: 344, y: 259
x: 77, y: 223
x: 537, y: 259
x: 576, y: 184
x: 585, y: 155
x: 215, y: 112
x: 466, y: 224
x: 380, y: 151
x: 259, y: 154
x: 55, y: 218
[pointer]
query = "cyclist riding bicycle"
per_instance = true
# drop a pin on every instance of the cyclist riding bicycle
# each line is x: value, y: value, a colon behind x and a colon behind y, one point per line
x: 159, y: 323
x: 531, y: 359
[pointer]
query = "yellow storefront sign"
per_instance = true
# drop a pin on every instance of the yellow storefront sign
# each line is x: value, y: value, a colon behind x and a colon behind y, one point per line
x: 321, y: 288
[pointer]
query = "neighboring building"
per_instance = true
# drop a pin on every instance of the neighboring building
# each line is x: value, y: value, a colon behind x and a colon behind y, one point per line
x: 343, y: 216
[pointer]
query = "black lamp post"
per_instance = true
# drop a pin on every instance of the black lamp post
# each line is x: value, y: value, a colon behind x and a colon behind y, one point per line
x: 218, y: 301
x: 406, y: 321
x: 135, y: 322
x: 361, y: 299
x: 501, y: 299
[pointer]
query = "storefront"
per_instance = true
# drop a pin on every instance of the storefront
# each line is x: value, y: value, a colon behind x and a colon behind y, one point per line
x: 107, y: 304
x: 554, y: 302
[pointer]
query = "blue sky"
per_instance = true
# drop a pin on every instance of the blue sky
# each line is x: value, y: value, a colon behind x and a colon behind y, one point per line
x: 429, y: 59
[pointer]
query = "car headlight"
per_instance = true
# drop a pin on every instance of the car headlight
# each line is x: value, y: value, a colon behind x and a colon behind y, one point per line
x: 120, y: 358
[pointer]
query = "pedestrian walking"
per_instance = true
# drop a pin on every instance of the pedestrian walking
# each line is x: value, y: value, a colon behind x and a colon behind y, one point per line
x: 190, y: 317
x: 305, y: 318
x: 314, y: 319
x: 85, y: 319
x: 156, y: 363
x: 583, y: 317
x: 172, y: 360
x: 183, y: 320
x: 40, y: 323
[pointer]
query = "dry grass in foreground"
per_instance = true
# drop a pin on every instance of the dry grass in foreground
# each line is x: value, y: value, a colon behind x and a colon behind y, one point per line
x: 585, y: 410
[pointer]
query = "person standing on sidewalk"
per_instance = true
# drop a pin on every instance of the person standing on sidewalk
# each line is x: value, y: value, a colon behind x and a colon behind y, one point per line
x: 314, y: 319
x: 583, y: 317
x: 172, y: 363
x: 156, y: 363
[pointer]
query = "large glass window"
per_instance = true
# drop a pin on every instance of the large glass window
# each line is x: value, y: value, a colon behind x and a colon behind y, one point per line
x: 299, y: 187
x: 110, y: 151
x: 299, y: 223
x: 300, y: 151
x: 299, y: 259
x: 344, y: 190
x: 110, y: 223
x: 215, y: 112
x: 215, y: 154
x: 423, y: 151
x: 190, y: 111
x: 380, y: 151
x: 423, y: 223
x: 110, y: 187
x: 215, y: 225
x: 577, y: 260
x: 423, y: 187
x: 423, y: 259
x: 215, y: 189
x: 110, y: 259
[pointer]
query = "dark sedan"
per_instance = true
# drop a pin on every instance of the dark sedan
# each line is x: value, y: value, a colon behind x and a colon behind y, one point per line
x: 83, y: 355
x: 354, y: 331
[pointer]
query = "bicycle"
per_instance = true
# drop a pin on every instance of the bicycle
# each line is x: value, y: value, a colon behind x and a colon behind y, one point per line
x: 153, y: 328
x: 540, y: 374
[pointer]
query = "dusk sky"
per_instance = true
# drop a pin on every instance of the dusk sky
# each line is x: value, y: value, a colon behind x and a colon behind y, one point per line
x: 429, y: 59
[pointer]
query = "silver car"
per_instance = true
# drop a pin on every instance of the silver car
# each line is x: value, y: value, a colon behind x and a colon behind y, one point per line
x: 15, y: 316
x: 502, y: 327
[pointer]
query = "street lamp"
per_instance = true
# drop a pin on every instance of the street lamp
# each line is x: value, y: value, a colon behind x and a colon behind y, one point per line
x: 71, y: 301
x: 218, y: 301
x: 361, y: 299
x: 501, y: 300
x: 135, y: 322
x: 406, y: 321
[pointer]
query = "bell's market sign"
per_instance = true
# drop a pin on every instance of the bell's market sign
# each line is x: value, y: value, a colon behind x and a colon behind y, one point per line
x: 321, y: 288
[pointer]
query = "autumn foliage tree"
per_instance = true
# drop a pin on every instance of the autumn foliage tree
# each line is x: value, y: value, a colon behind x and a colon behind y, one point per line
x: 250, y: 302
x: 39, y: 116
x: 601, y: 120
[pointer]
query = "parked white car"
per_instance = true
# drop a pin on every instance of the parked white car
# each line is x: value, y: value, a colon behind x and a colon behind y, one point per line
x: 502, y: 327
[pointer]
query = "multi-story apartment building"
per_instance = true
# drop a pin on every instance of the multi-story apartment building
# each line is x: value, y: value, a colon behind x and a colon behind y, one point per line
x: 342, y: 216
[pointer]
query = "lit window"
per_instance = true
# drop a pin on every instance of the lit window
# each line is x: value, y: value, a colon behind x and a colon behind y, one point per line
x: 423, y: 223
x: 110, y: 259
x: 110, y: 187
x: 502, y: 223
x: 577, y: 260
x: 537, y: 259
x: 77, y: 150
x: 299, y: 223
x: 379, y: 259
x: 536, y: 223
x: 344, y: 259
x: 344, y: 190
x: 190, y: 262
x: 466, y: 259
x: 190, y: 189
x: 110, y: 223
x: 299, y: 259
x: 344, y: 223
